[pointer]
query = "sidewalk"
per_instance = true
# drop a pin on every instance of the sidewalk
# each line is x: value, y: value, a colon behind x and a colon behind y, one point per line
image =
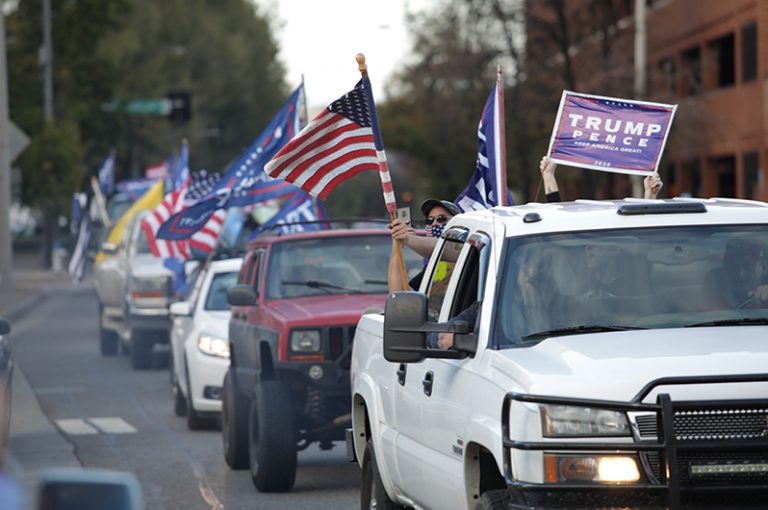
x: 34, y: 442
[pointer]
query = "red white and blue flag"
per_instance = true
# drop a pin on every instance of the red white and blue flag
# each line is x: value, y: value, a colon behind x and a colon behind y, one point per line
x: 244, y: 182
x: 488, y: 182
x: 342, y: 141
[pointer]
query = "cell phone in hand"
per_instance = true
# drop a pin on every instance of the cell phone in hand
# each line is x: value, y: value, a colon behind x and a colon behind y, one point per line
x: 404, y: 215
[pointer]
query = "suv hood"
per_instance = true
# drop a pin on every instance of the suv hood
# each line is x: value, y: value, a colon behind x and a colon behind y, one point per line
x: 148, y: 266
x: 325, y: 310
x: 616, y: 366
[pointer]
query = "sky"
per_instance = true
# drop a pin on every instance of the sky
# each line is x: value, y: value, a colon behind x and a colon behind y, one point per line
x: 320, y: 39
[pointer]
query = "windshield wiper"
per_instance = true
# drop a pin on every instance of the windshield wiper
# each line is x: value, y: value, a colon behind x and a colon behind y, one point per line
x: 579, y: 330
x: 744, y: 321
x: 317, y: 284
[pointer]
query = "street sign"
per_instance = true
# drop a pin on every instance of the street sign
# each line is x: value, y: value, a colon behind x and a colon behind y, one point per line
x: 159, y: 107
x: 17, y: 141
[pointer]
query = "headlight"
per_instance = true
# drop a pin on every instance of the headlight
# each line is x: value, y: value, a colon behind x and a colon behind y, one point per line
x: 574, y: 468
x: 142, y: 288
x: 574, y: 421
x: 213, y: 346
x: 307, y: 340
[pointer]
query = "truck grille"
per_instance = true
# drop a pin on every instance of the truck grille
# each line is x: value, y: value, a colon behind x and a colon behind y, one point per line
x: 721, y: 425
x: 340, y: 344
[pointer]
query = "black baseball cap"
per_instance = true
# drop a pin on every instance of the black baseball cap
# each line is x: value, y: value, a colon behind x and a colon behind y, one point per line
x: 429, y: 203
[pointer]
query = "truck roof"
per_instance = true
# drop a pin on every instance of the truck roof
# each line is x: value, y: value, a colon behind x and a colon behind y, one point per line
x: 579, y: 215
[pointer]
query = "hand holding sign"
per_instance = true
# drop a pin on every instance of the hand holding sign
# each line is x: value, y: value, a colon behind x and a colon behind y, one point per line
x: 652, y: 185
x: 610, y: 134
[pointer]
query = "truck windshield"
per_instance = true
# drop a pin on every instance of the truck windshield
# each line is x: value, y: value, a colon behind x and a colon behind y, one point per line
x: 600, y: 281
x: 330, y: 265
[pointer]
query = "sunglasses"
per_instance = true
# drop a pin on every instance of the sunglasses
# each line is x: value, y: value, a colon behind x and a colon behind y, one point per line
x: 442, y: 218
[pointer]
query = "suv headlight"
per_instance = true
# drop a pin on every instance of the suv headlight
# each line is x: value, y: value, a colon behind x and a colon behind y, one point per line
x: 575, y: 421
x: 213, y: 346
x: 306, y: 340
x: 144, y: 288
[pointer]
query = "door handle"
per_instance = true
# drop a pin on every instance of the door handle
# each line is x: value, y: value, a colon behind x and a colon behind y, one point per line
x: 427, y: 383
x: 401, y: 371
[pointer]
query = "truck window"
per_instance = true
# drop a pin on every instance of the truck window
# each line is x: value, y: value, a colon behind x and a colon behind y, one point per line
x: 641, y: 278
x: 470, y: 285
x: 441, y: 277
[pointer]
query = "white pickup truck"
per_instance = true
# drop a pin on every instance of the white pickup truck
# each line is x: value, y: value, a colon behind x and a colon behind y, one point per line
x: 618, y: 359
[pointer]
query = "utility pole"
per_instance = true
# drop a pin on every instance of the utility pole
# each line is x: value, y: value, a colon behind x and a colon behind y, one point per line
x: 640, y: 80
x: 6, y: 249
x: 47, y: 61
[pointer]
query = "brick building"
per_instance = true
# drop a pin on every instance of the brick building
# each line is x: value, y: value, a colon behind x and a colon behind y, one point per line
x: 708, y: 56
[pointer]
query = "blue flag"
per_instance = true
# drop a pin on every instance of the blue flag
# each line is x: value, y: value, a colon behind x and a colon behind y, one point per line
x: 482, y: 192
x: 107, y: 175
x: 244, y: 182
x: 301, y: 207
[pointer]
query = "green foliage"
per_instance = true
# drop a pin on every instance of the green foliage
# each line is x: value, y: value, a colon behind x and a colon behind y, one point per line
x: 52, y: 164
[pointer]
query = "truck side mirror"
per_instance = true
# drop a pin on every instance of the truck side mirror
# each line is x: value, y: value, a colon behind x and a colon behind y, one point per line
x: 64, y: 489
x: 109, y: 248
x: 241, y: 295
x: 181, y: 309
x: 405, y: 310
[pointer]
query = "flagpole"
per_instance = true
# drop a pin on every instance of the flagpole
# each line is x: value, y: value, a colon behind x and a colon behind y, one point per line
x: 386, y: 179
x: 501, y: 156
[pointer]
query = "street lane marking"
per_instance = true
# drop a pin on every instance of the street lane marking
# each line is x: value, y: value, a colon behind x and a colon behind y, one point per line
x: 59, y: 390
x: 76, y: 427
x: 112, y: 425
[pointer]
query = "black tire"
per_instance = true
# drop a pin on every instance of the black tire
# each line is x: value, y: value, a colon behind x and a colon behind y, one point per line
x: 493, y: 500
x: 194, y: 420
x: 273, y: 435
x: 107, y: 338
x: 234, y: 424
x: 373, y: 494
x: 108, y: 342
x: 179, y: 402
x: 141, y: 350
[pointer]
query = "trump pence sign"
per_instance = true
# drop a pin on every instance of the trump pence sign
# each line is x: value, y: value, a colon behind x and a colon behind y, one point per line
x: 610, y: 134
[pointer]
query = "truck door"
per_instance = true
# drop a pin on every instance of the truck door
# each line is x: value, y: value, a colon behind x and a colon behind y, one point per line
x: 444, y: 409
x: 412, y: 379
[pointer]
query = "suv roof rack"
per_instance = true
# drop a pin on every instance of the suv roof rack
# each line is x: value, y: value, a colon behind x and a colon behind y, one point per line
x: 661, y: 208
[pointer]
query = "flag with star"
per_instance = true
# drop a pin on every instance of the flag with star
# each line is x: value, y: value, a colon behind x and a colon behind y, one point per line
x: 336, y: 145
x: 244, y: 183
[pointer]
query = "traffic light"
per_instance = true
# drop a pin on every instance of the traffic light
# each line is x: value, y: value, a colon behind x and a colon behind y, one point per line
x: 181, y: 106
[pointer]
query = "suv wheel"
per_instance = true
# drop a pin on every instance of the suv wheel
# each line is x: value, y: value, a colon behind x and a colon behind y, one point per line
x: 179, y: 402
x: 194, y: 420
x: 234, y: 424
x: 493, y: 500
x: 272, y: 432
x: 141, y: 350
x: 107, y: 337
x: 373, y: 495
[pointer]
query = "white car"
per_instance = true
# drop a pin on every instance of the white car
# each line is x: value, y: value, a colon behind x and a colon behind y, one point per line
x: 200, y: 344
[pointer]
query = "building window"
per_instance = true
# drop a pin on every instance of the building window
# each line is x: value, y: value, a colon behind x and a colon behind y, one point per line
x: 751, y: 168
x: 691, y: 71
x: 668, y: 77
x: 690, y: 178
x: 671, y: 182
x: 725, y: 169
x: 721, y: 65
x: 749, y: 52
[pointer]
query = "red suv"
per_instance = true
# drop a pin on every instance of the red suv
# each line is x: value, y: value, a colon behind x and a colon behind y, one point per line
x: 294, y: 312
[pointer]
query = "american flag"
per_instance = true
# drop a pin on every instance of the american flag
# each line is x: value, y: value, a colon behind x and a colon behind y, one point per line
x: 336, y: 145
x: 199, y: 184
x: 488, y: 182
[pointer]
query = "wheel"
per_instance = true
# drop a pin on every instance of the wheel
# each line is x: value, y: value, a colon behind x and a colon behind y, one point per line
x: 493, y: 500
x: 273, y: 436
x: 194, y: 420
x: 107, y: 338
x: 141, y: 350
x: 373, y: 495
x: 234, y: 424
x: 107, y: 341
x: 179, y: 402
